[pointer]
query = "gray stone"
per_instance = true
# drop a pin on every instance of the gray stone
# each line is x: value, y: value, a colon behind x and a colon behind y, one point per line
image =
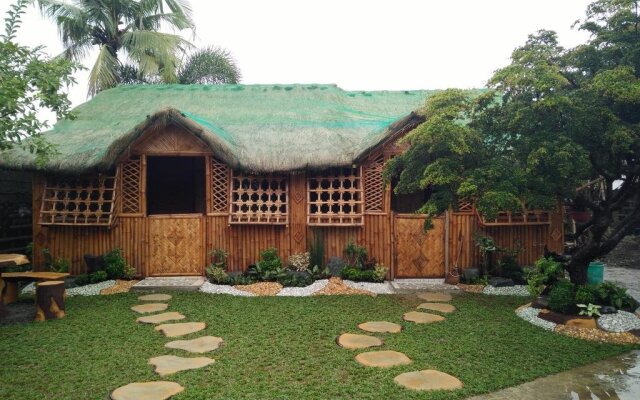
x: 622, y: 321
x: 497, y: 281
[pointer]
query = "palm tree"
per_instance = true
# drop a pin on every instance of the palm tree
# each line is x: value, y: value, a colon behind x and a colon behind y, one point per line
x: 122, y: 26
x: 210, y: 65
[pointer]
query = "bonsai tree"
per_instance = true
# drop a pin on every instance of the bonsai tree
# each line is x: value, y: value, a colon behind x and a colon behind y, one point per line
x: 551, y: 121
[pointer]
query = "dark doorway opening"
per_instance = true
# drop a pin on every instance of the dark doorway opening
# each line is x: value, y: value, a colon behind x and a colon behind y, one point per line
x: 175, y: 185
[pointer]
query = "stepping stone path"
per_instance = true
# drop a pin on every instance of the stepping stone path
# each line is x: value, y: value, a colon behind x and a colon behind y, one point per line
x: 202, y: 344
x: 422, y: 317
x: 150, y: 307
x: 380, y: 327
x: 352, y: 341
x: 155, y: 297
x: 160, y: 390
x: 167, y: 365
x: 435, y: 296
x: 160, y: 318
x: 180, y: 329
x: 416, y: 380
x: 440, y: 307
x: 382, y: 359
x: 428, y: 379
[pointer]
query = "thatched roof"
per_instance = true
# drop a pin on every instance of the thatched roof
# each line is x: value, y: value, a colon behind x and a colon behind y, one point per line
x: 259, y: 128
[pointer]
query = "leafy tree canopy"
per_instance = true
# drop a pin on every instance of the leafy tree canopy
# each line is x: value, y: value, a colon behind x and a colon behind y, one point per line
x: 552, y: 120
x: 29, y: 83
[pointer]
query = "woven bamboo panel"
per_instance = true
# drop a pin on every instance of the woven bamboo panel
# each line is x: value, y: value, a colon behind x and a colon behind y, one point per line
x: 419, y: 254
x: 85, y: 200
x: 131, y: 179
x: 259, y: 200
x: 176, y: 246
x: 335, y: 197
x: 219, y: 186
x: 465, y: 205
x: 506, y: 218
x: 374, y: 185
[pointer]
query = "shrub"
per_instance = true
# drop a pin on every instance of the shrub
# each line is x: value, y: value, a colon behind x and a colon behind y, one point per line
x: 358, y: 275
x: 545, y: 274
x: 587, y: 294
x: 219, y: 258
x: 510, y: 268
x: 299, y: 261
x: 562, y: 297
x: 355, y: 255
x: 129, y: 272
x: 217, y: 274
x: 318, y: 272
x: 98, y: 276
x: 610, y: 294
x: 55, y: 264
x: 380, y: 272
x: 296, y: 279
x: 114, y: 264
x: 269, y: 268
x: 335, y: 266
x: 82, y: 279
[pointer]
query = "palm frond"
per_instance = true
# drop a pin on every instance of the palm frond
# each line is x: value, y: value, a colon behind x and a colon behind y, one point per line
x: 104, y: 74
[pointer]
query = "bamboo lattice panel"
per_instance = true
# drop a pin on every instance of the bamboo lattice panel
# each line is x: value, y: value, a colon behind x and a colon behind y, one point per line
x: 87, y: 200
x: 131, y: 179
x: 219, y: 186
x: 465, y: 205
x: 506, y: 218
x: 335, y: 198
x: 259, y: 200
x: 374, y: 185
x: 176, y: 246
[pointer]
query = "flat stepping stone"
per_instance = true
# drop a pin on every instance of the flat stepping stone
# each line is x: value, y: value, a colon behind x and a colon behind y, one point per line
x: 435, y: 296
x: 382, y: 359
x: 428, y: 379
x: 440, y: 307
x: 149, y: 307
x: 155, y: 297
x: 167, y: 365
x: 200, y: 345
x: 160, y: 318
x: 180, y: 329
x: 160, y: 390
x: 422, y: 317
x: 380, y: 327
x: 353, y: 341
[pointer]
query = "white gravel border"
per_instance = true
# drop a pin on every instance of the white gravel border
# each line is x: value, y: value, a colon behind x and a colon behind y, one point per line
x: 305, y: 290
x: 530, y: 314
x: 378, y: 288
x: 517, y: 290
x: 92, y: 289
x: 209, y: 287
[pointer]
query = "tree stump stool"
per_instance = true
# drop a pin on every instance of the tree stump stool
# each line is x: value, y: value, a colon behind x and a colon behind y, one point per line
x: 49, y: 300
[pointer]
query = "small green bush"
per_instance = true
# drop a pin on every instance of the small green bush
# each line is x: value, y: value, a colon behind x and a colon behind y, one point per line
x: 296, y: 279
x: 82, y: 279
x: 268, y: 268
x: 98, y: 276
x: 358, y: 275
x: 587, y: 294
x: 114, y: 264
x: 562, y: 297
x: 610, y: 294
x: 545, y: 274
x: 355, y: 255
x: 510, y: 268
x: 217, y: 275
x: 380, y: 272
x: 335, y: 266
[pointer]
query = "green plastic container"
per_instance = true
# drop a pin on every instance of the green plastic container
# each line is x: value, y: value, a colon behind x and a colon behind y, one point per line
x: 595, y: 272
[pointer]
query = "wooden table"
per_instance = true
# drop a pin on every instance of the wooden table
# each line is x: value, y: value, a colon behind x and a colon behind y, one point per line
x: 6, y: 261
x: 11, y: 279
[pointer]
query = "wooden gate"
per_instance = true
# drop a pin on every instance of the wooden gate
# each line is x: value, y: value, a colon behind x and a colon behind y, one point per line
x: 175, y: 245
x: 419, y: 254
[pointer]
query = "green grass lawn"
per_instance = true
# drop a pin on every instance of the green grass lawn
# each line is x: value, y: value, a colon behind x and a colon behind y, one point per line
x: 282, y: 348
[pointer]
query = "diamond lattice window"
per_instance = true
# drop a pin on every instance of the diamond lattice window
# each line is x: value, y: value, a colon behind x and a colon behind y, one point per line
x: 219, y: 186
x: 335, y: 197
x: 87, y: 200
x: 131, y: 172
x: 259, y: 200
x: 374, y: 185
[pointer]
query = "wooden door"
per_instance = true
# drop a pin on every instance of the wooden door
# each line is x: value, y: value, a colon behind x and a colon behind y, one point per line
x: 176, y: 245
x: 419, y: 254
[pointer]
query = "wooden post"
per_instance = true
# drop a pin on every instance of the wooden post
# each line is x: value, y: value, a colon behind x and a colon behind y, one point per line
x: 49, y: 300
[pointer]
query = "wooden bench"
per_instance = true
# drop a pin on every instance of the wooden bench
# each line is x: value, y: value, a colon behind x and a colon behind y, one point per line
x: 11, y: 279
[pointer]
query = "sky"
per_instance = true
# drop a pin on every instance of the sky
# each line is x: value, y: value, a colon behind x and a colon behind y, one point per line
x: 358, y: 44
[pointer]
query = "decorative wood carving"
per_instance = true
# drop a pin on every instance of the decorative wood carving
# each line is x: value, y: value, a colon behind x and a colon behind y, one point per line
x: 219, y: 186
x: 419, y: 254
x: 87, y: 200
x: 170, y: 141
x: 175, y: 246
x: 374, y: 184
x: 259, y: 200
x: 334, y: 197
x: 131, y: 179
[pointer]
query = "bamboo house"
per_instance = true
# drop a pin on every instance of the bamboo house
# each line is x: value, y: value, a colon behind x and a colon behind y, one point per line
x: 169, y: 172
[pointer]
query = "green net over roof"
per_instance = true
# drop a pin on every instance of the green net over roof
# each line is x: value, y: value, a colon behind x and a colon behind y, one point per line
x: 259, y: 127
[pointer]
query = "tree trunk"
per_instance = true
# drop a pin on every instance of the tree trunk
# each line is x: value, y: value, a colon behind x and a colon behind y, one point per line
x: 49, y: 300
x: 577, y: 269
